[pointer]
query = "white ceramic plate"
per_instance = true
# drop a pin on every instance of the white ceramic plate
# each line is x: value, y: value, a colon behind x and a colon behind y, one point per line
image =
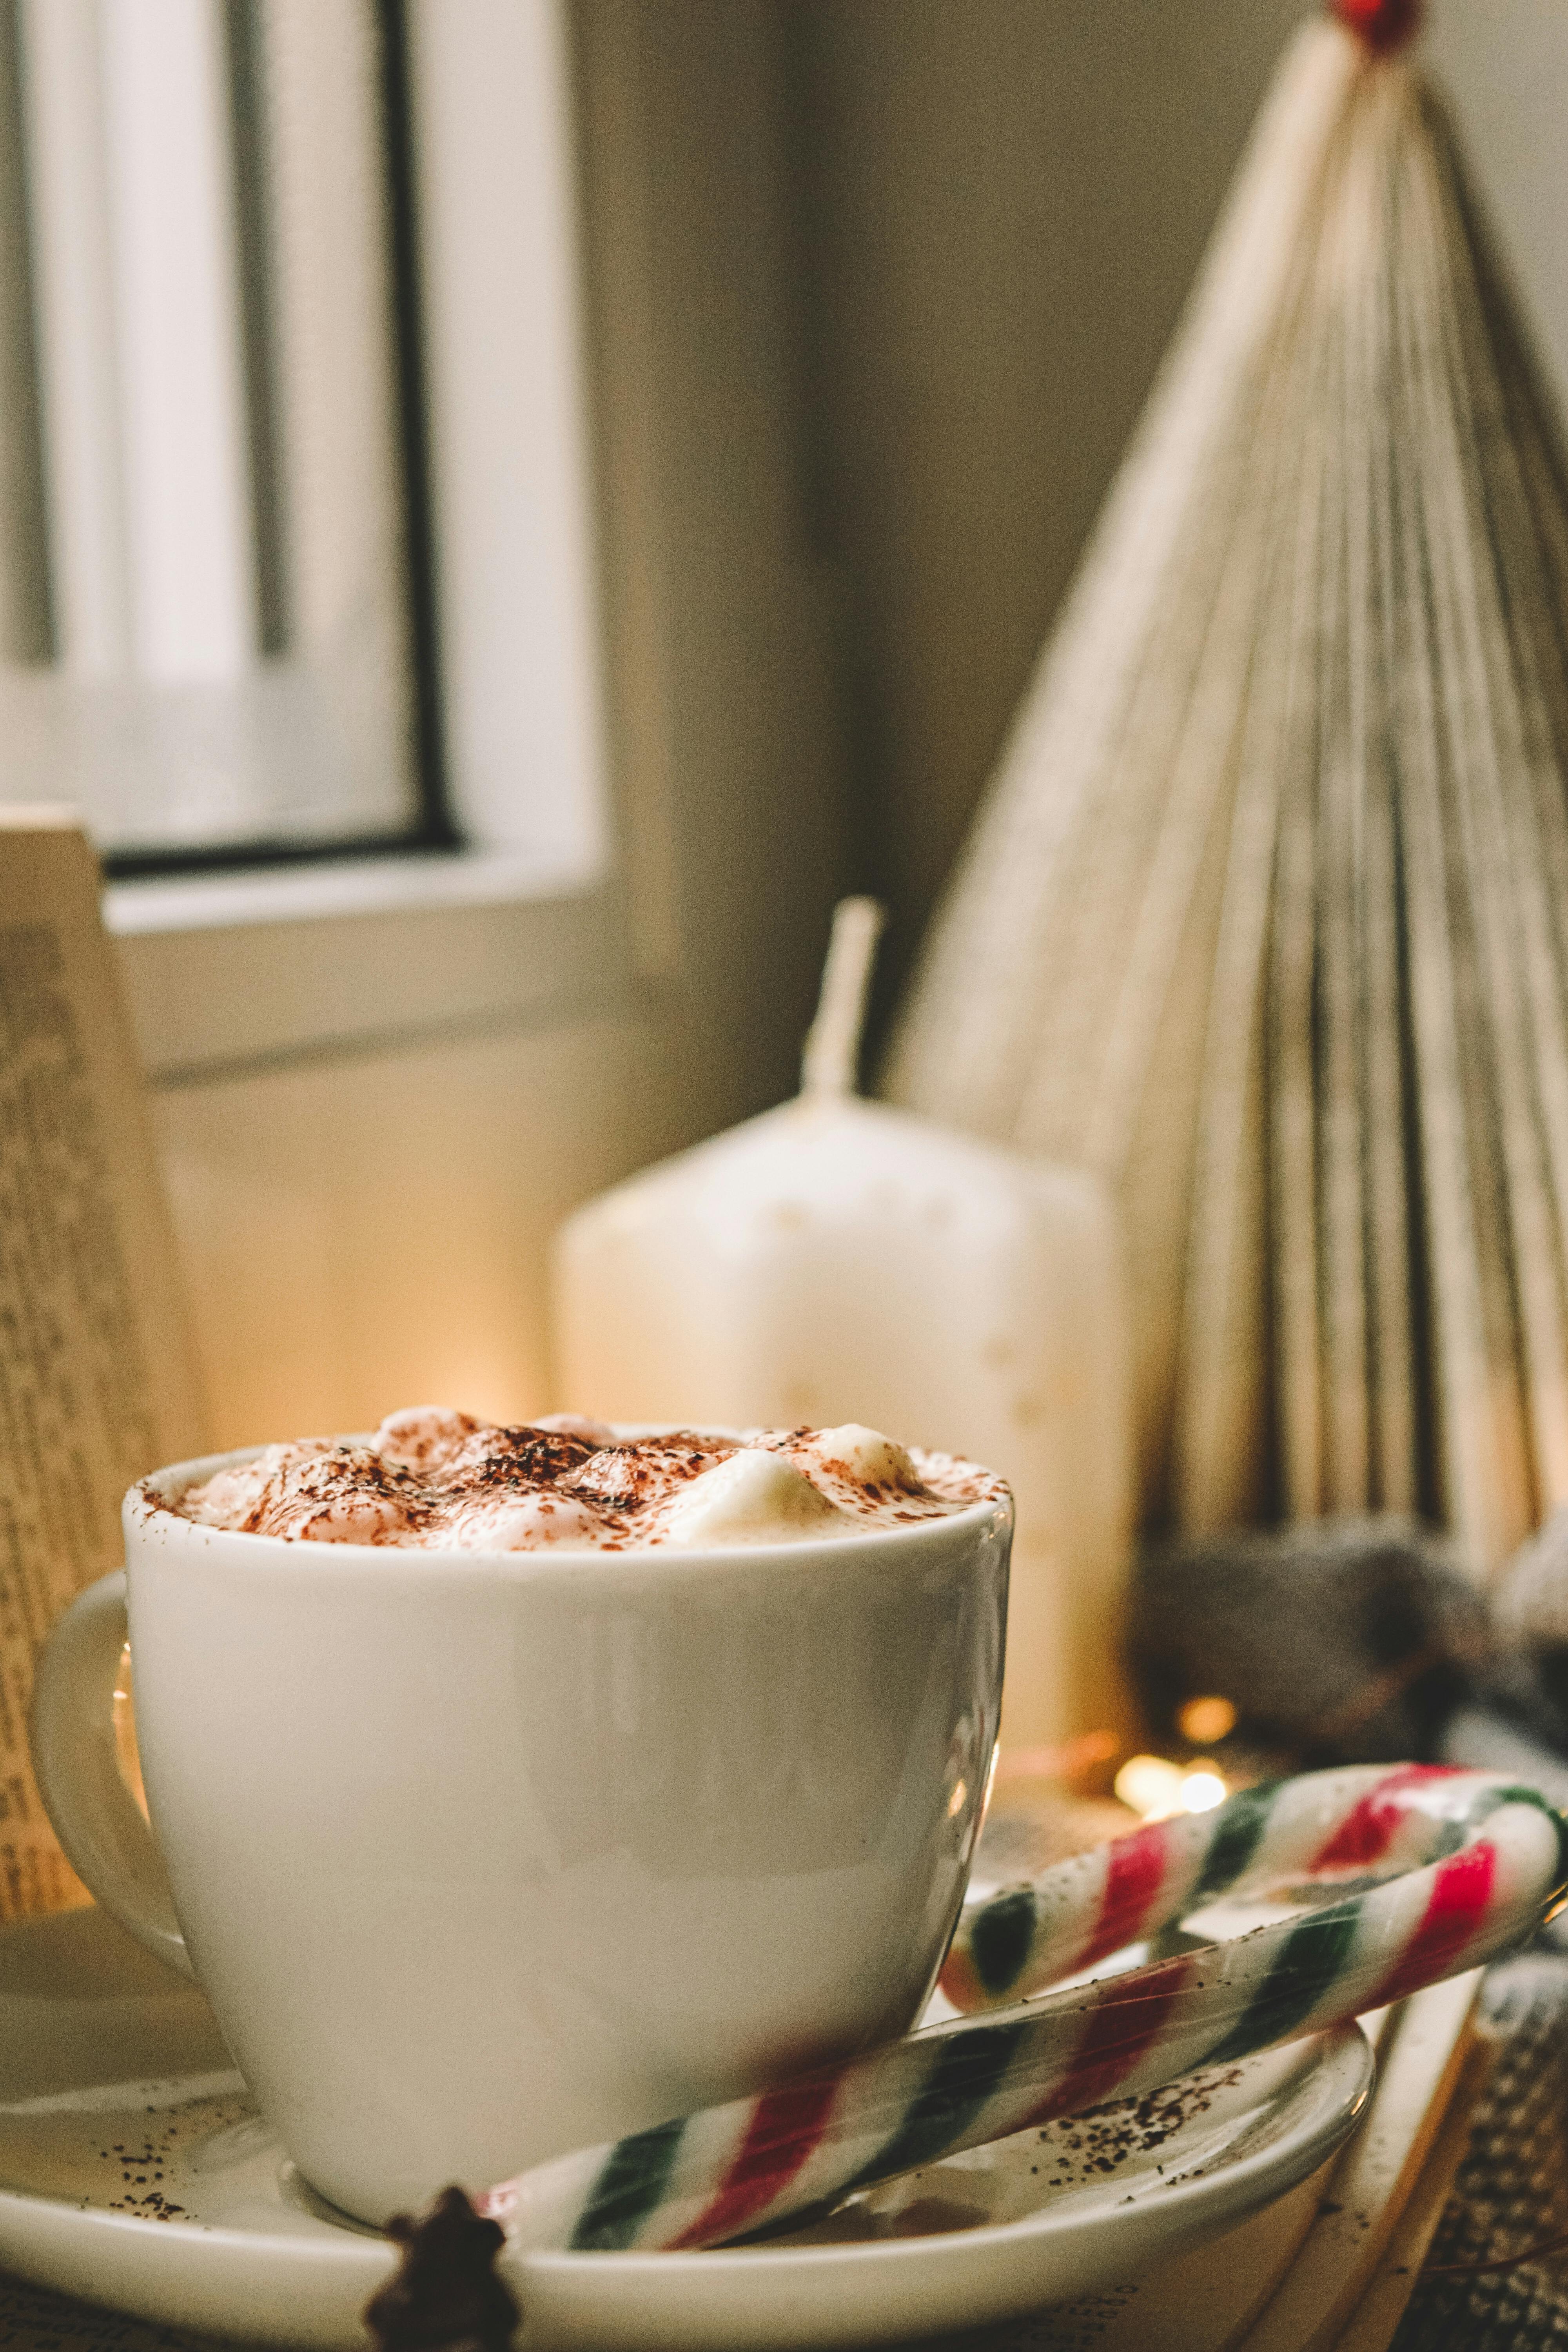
x: 134, y: 2171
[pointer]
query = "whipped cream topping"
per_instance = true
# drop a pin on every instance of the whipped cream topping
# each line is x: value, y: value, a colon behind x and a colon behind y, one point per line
x: 433, y: 1477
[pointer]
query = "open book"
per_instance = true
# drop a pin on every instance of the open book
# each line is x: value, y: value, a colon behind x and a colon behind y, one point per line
x: 98, y: 1375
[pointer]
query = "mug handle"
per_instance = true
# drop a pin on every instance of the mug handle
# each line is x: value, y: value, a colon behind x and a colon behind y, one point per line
x: 104, y: 1833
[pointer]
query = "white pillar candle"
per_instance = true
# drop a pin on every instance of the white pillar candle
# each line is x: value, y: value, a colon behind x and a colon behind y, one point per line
x: 836, y: 1260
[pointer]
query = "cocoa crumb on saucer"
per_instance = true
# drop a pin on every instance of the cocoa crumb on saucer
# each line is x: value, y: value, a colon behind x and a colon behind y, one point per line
x: 445, y: 2296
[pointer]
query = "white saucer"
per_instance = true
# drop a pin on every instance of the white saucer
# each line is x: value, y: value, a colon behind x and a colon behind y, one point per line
x: 133, y: 2171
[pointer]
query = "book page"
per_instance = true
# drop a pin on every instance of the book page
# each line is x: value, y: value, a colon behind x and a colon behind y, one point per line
x: 97, y: 1377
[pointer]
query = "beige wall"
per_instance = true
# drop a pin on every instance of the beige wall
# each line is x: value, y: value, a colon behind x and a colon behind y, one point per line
x: 1009, y: 198
x: 1503, y: 65
x: 370, y: 1229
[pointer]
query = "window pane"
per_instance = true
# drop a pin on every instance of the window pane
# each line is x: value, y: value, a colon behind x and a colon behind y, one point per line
x: 205, y: 627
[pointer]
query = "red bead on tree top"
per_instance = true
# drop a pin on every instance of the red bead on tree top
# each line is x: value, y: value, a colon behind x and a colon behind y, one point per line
x: 1383, y: 24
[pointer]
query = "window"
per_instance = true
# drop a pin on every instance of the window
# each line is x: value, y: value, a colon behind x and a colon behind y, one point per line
x: 294, y: 540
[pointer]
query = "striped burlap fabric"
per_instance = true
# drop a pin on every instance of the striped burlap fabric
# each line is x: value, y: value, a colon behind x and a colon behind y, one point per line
x: 1512, y: 2192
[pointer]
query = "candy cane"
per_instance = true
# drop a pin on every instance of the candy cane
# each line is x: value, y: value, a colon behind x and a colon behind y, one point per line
x: 1478, y: 1861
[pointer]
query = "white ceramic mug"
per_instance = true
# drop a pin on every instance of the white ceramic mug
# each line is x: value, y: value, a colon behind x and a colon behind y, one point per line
x: 483, y: 1856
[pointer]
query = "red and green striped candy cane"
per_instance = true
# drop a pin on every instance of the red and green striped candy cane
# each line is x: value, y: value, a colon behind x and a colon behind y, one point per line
x: 1436, y: 1870
x: 1321, y: 1826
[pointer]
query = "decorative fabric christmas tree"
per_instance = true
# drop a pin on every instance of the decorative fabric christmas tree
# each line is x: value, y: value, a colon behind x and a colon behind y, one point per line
x: 1266, y: 916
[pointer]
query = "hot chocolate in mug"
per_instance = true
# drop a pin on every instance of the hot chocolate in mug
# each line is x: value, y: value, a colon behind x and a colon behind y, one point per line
x: 480, y: 1856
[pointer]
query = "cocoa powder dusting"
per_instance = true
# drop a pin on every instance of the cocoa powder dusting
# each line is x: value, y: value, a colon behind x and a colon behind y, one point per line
x: 434, y: 1478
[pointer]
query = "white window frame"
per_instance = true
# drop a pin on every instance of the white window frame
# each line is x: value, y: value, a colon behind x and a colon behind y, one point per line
x: 232, y: 971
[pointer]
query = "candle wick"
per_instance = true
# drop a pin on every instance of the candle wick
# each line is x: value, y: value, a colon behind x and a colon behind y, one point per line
x: 832, y: 1056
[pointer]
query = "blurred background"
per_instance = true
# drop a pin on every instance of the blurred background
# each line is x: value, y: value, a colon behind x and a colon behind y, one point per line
x: 508, y: 508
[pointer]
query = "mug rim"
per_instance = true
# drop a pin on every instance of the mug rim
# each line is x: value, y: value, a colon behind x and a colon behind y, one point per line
x: 145, y: 1505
